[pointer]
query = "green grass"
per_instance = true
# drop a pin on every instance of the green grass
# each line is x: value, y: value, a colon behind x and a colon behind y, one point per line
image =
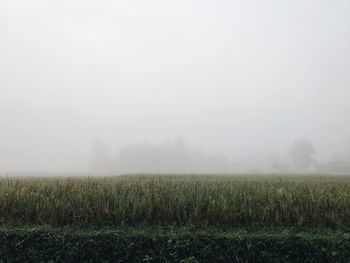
x: 201, y: 201
x: 157, y: 244
x: 175, y: 219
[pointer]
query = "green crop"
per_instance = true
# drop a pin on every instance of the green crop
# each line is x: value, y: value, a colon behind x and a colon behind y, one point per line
x: 176, y: 200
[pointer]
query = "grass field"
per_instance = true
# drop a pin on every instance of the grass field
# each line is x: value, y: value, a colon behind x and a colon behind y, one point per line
x: 219, y: 201
x: 169, y: 218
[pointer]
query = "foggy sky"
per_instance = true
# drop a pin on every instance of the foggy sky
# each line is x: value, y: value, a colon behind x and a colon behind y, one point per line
x: 238, y: 78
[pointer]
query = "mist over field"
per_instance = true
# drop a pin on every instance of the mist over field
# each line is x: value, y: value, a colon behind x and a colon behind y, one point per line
x: 183, y: 86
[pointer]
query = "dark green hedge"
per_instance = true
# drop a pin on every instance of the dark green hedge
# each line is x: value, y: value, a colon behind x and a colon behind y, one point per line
x: 172, y: 245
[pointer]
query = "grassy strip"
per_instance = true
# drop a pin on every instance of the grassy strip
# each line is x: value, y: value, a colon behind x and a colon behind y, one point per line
x: 46, y: 244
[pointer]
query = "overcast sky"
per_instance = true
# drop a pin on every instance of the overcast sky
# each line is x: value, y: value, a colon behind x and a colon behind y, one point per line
x: 232, y: 77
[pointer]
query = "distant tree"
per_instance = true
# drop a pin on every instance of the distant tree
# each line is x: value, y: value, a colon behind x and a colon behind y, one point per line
x: 102, y: 160
x: 301, y: 154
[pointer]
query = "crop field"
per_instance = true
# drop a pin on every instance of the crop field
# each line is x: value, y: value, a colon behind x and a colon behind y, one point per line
x: 177, y: 200
x: 172, y: 218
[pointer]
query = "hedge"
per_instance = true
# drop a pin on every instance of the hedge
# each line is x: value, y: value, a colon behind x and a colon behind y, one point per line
x: 45, y: 244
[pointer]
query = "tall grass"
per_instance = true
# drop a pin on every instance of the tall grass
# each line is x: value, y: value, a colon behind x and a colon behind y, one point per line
x: 176, y: 200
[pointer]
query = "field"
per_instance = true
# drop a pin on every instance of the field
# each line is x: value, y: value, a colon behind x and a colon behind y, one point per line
x: 240, y: 211
x: 177, y: 200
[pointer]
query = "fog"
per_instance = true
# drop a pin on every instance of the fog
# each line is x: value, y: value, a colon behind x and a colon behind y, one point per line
x: 174, y: 86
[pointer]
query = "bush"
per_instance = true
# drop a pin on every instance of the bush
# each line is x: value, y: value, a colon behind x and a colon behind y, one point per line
x: 172, y: 245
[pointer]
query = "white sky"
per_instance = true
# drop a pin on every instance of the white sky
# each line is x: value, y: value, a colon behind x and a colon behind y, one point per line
x: 233, y: 77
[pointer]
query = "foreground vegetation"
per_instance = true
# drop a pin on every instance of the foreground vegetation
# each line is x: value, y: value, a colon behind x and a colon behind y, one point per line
x: 221, y: 201
x: 175, y: 219
x: 172, y: 245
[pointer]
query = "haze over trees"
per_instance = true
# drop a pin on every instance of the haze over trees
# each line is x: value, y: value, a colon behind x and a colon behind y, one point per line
x: 176, y: 156
x: 173, y: 156
x: 302, y: 154
x: 231, y: 77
